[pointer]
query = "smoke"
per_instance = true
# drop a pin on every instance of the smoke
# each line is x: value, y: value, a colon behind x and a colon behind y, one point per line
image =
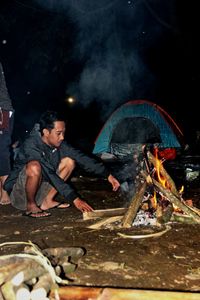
x: 107, y: 41
x: 112, y: 68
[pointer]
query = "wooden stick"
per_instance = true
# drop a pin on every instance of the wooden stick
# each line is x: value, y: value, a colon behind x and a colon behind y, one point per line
x: 102, y: 213
x: 1, y: 296
x: 134, y: 206
x: 144, y: 236
x: 110, y: 220
x: 7, y: 290
x: 182, y: 219
x: 176, y: 201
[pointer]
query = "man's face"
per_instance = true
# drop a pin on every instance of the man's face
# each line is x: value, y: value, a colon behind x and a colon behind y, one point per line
x: 54, y: 137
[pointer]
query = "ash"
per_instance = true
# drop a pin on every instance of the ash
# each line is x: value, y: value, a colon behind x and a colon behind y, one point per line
x: 145, y: 218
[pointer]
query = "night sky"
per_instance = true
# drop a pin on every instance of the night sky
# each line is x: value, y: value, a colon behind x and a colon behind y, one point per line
x: 103, y: 53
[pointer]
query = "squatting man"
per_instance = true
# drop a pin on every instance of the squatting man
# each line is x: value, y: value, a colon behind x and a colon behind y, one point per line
x: 43, y: 167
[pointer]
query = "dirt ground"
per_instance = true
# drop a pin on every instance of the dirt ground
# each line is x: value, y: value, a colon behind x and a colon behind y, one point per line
x: 170, y: 262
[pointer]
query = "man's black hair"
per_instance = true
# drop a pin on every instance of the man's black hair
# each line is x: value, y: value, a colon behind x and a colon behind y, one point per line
x: 48, y: 118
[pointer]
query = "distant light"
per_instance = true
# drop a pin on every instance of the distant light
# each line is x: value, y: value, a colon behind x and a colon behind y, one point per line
x: 70, y: 100
x: 28, y: 92
x: 4, y: 42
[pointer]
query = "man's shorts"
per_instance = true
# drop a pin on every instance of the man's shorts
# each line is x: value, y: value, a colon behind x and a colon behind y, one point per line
x: 18, y: 194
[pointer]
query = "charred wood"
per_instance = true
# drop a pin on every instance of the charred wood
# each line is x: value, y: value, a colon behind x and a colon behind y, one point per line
x: 134, y: 206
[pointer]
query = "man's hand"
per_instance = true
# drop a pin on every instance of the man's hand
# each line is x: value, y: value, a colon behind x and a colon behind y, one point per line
x: 82, y: 205
x: 115, y: 183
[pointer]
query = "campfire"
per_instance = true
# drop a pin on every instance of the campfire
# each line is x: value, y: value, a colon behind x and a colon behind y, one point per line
x: 156, y: 195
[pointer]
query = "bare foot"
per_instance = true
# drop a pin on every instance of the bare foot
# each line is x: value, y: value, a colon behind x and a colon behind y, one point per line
x: 5, y: 199
x: 33, y: 208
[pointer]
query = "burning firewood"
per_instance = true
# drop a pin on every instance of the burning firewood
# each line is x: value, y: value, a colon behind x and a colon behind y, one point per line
x: 157, y: 164
x: 134, y: 206
x: 176, y: 201
x: 167, y: 192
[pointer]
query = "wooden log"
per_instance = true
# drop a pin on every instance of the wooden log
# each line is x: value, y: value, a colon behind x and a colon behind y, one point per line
x: 134, y: 206
x: 182, y: 218
x: 192, y: 212
x: 176, y: 201
x: 85, y: 293
x: 67, y: 267
x: 8, y: 270
x: 104, y: 222
x: 75, y: 253
x: 78, y: 293
x: 102, y: 213
x: 42, y: 287
x: 129, y: 294
x: 5, y: 261
x: 26, y: 270
x: 163, y: 215
x: 22, y: 292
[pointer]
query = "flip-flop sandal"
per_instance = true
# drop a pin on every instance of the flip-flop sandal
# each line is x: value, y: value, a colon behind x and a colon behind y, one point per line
x: 62, y: 205
x: 36, y: 214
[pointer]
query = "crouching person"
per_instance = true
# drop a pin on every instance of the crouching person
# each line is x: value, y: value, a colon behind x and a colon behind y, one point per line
x: 43, y: 167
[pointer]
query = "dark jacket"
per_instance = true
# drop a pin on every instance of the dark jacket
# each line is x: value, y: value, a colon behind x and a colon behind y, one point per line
x: 34, y: 148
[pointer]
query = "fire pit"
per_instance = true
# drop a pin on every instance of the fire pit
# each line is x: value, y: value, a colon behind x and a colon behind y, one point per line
x: 155, y: 196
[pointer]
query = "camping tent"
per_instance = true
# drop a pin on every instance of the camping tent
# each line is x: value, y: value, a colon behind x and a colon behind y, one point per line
x: 138, y: 122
